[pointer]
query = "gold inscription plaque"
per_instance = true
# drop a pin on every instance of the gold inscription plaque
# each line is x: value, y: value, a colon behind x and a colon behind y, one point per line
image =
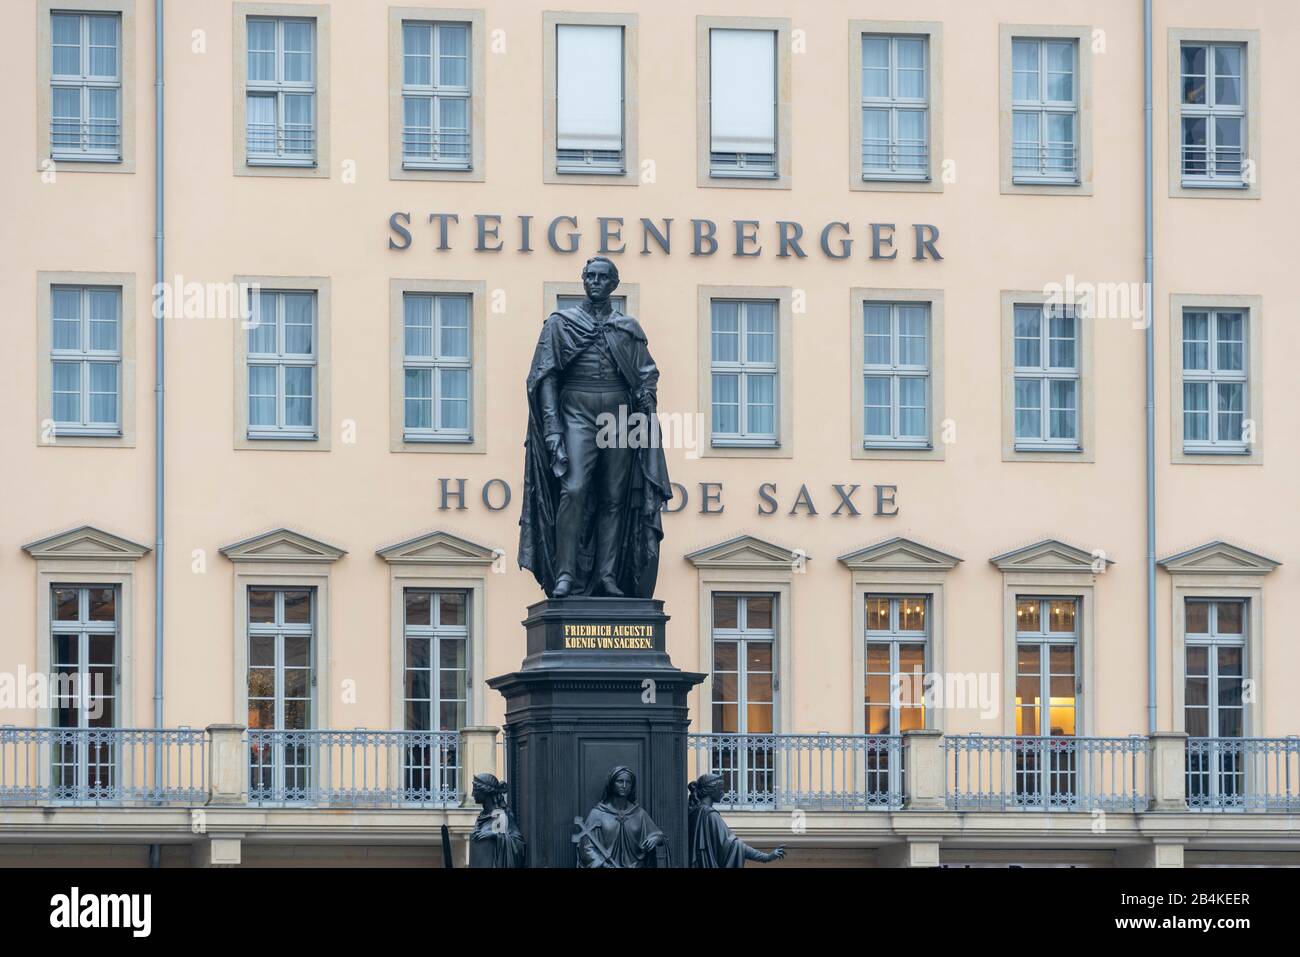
x: 602, y: 637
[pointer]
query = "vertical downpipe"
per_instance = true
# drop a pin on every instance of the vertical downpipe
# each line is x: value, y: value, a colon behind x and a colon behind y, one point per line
x: 1149, y: 264
x: 155, y: 850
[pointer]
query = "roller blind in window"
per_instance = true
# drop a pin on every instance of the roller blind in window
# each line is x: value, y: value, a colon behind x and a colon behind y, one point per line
x: 589, y: 87
x: 742, y: 91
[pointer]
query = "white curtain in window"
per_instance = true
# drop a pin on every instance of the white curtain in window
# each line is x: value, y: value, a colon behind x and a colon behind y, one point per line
x: 589, y: 87
x: 742, y: 91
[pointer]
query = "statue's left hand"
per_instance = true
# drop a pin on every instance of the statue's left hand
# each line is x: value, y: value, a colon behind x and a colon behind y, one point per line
x: 653, y: 841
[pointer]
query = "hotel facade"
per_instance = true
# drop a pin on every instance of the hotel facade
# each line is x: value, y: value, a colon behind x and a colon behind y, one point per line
x: 925, y: 381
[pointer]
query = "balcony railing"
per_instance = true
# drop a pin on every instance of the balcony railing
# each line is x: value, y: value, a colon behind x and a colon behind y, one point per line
x: 109, y: 766
x: 358, y: 768
x: 227, y: 765
x: 1048, y: 773
x: 1243, y: 774
x: 816, y: 772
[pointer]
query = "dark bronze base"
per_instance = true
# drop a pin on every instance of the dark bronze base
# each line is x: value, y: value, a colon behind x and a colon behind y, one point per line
x: 596, y: 690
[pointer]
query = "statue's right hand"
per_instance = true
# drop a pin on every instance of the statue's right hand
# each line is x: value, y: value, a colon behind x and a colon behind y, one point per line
x: 559, y: 454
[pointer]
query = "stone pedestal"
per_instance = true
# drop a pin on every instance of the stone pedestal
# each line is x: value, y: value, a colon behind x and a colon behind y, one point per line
x: 596, y: 690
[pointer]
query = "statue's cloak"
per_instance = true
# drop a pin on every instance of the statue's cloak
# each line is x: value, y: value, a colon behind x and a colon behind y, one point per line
x: 616, y: 838
x: 492, y: 846
x: 565, y: 334
x: 712, y: 843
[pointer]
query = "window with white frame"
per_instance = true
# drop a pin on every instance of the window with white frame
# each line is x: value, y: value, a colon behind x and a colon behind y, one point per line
x: 84, y: 662
x: 744, y: 676
x: 436, y: 107
x: 281, y: 686
x: 742, y: 103
x: 589, y: 118
x: 1044, y: 111
x: 86, y: 86
x: 436, y: 666
x: 1046, y: 389
x: 1214, y: 701
x: 744, y: 697
x: 1213, y: 120
x: 896, y: 374
x: 281, y: 95
x: 282, y: 339
x: 86, y: 358
x: 895, y: 108
x: 84, y: 669
x: 1047, y: 647
x: 744, y: 372
x: 1214, y: 380
x: 1215, y: 649
x: 1046, y: 702
x: 437, y: 367
x: 897, y: 637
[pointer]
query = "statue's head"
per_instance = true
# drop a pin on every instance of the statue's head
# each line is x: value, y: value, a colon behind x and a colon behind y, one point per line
x: 707, y: 785
x: 599, y: 278
x: 621, y: 784
x: 487, y: 787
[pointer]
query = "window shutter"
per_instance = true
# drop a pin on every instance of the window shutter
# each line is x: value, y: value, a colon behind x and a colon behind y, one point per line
x: 589, y: 87
x: 742, y: 91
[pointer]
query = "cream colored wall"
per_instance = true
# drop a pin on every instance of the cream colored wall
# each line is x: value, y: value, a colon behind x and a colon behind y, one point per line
x: 360, y: 496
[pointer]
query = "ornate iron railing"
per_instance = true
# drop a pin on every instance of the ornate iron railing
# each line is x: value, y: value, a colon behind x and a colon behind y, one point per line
x: 813, y: 772
x: 1243, y: 774
x: 358, y: 768
x: 1048, y: 773
x: 103, y: 766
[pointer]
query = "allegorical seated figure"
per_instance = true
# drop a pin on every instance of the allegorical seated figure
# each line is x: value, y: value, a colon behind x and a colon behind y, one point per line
x: 712, y: 842
x: 496, y: 840
x: 618, y: 832
x: 590, y: 522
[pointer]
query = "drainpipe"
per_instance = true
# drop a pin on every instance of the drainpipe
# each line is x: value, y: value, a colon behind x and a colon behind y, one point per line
x: 1149, y: 264
x: 155, y: 850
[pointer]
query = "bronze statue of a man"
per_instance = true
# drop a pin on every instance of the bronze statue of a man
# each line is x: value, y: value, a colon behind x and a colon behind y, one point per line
x: 595, y: 478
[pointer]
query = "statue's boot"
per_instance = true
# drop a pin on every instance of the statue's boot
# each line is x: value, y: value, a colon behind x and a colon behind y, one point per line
x: 610, y: 587
x: 563, y: 585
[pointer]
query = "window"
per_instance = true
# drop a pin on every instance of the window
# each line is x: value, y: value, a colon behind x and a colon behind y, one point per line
x: 436, y: 689
x: 744, y: 689
x: 282, y: 365
x: 281, y: 683
x: 1044, y: 101
x: 1213, y: 119
x: 744, y: 372
x: 1214, y: 380
x: 281, y: 92
x: 589, y: 98
x: 84, y: 670
x: 1213, y: 703
x: 1046, y: 390
x: 436, y: 669
x: 896, y: 374
x: 742, y: 103
x: 895, y: 109
x: 897, y: 636
x: 85, y: 630
x: 437, y: 367
x: 436, y: 78
x: 1046, y: 700
x: 86, y: 87
x: 86, y: 357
